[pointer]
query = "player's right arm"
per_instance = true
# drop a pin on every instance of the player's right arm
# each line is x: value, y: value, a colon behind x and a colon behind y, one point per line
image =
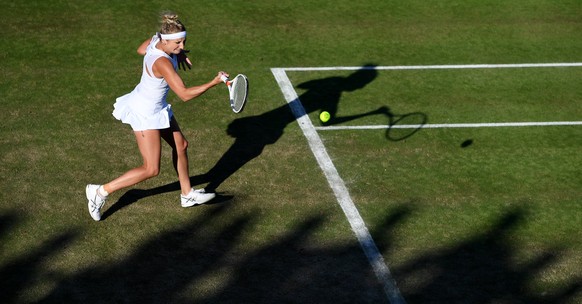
x: 163, y: 68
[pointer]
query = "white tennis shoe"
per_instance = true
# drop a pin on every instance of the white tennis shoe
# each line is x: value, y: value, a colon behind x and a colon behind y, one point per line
x: 95, y: 201
x: 196, y: 197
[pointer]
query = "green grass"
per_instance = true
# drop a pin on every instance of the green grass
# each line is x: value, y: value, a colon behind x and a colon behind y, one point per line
x: 497, y: 221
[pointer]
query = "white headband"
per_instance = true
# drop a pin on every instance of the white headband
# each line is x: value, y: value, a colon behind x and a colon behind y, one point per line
x: 178, y: 35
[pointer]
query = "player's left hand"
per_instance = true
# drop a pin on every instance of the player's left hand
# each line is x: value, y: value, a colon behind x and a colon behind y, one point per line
x: 183, y: 60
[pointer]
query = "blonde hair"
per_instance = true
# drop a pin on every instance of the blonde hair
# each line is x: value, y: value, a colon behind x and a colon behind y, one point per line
x: 171, y: 24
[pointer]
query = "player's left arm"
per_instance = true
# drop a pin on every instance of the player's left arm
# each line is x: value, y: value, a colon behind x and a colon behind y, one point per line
x: 143, y: 47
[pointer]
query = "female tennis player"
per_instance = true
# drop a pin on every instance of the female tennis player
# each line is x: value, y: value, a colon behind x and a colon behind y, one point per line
x: 151, y: 117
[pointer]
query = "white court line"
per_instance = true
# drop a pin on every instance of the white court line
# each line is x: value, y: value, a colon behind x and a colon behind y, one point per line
x: 339, y: 188
x: 457, y: 125
x: 440, y: 67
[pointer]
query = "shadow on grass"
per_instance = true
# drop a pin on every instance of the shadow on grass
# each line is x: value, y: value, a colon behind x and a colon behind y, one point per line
x: 134, y: 195
x: 172, y: 267
x: 17, y: 275
x: 190, y: 265
x: 481, y: 269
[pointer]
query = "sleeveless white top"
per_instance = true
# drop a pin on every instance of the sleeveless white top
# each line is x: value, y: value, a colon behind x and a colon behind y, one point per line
x: 146, y: 108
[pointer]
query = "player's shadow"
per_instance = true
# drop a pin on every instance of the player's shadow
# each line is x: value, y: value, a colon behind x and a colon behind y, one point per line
x: 253, y: 133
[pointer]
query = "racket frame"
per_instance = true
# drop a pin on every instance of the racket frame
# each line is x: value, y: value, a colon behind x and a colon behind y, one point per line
x: 229, y: 85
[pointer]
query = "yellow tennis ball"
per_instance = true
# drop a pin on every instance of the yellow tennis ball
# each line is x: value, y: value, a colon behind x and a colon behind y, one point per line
x: 324, y: 116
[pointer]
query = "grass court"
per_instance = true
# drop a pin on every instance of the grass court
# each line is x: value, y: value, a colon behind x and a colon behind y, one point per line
x: 465, y: 180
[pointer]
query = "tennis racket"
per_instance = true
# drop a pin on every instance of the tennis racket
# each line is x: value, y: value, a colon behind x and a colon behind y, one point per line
x: 238, y: 90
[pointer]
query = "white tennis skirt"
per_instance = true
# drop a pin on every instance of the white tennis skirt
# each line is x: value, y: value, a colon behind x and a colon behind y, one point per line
x: 142, y: 115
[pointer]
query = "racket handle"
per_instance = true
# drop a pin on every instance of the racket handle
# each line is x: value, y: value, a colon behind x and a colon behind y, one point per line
x: 224, y: 78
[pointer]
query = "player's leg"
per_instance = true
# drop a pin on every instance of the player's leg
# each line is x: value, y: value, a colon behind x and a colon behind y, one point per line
x: 175, y: 138
x: 149, y: 145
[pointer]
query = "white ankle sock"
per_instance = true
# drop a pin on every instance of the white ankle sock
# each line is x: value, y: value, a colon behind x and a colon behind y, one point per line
x: 102, y: 192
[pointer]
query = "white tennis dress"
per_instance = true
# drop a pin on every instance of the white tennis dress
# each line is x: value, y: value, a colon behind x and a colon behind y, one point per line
x: 145, y: 108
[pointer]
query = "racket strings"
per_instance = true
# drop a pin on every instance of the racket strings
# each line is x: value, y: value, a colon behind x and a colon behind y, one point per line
x: 239, y: 93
